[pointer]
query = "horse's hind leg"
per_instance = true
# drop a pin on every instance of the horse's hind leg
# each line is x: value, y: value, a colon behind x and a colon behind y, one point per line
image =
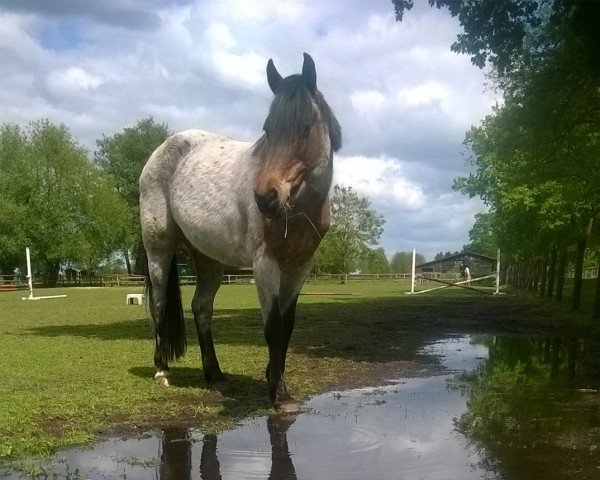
x: 166, y: 311
x: 161, y: 237
x: 208, y: 275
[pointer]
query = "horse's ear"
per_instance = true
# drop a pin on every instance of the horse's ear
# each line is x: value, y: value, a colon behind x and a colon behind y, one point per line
x: 273, y: 76
x: 309, y: 73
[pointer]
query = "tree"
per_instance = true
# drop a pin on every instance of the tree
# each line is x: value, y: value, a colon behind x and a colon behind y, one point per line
x: 374, y: 260
x: 402, y: 262
x: 508, y: 33
x: 355, y: 228
x: 483, y: 239
x: 537, y: 156
x: 56, y: 201
x: 123, y: 156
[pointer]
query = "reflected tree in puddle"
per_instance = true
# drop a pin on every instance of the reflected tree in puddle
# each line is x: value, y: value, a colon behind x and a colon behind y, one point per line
x: 534, y: 411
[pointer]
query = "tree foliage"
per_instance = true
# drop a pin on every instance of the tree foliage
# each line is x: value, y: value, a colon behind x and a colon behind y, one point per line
x: 55, y: 200
x: 506, y: 34
x: 374, y: 260
x: 402, y: 262
x: 482, y: 236
x: 355, y: 230
x: 124, y: 155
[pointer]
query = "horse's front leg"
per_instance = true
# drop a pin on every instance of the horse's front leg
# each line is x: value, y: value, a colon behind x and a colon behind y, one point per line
x: 278, y: 331
x: 278, y: 297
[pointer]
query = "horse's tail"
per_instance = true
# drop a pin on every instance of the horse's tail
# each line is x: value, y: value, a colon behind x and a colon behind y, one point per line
x: 171, y: 327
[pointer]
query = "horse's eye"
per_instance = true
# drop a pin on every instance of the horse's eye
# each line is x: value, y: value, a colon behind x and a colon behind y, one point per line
x: 306, y: 131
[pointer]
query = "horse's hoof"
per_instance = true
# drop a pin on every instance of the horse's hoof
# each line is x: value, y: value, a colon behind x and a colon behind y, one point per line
x: 163, y: 377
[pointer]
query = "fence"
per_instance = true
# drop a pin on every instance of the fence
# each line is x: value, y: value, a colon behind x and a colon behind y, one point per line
x: 559, y: 274
x: 8, y: 282
x: 229, y: 279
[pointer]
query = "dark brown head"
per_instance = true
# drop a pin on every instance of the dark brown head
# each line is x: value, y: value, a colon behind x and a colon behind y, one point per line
x: 300, y: 135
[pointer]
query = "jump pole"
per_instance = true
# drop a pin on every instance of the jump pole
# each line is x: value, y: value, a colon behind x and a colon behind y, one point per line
x: 461, y: 284
x: 30, y: 281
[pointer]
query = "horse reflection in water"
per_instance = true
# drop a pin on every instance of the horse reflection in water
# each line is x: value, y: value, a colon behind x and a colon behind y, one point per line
x: 263, y: 206
x: 176, y: 453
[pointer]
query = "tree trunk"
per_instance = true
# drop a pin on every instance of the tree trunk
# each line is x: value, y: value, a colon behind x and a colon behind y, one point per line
x: 596, y: 310
x: 141, y: 259
x: 577, y: 280
x: 551, y: 273
x: 560, y: 281
x: 536, y: 272
x: 520, y: 281
x: 51, y: 273
x: 127, y: 261
x: 544, y: 276
x: 531, y: 275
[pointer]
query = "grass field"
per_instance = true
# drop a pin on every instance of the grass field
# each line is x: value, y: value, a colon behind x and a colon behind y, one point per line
x: 75, y: 367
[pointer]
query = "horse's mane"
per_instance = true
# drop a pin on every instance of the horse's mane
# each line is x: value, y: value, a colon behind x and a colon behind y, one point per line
x: 291, y: 113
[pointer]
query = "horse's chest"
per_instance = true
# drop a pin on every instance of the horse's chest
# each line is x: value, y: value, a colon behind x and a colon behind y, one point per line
x: 293, y: 241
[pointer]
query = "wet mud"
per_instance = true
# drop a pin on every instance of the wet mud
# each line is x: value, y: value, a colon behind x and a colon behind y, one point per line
x: 500, y: 407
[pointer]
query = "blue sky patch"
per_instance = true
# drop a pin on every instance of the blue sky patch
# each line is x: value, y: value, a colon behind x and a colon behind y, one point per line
x: 64, y: 34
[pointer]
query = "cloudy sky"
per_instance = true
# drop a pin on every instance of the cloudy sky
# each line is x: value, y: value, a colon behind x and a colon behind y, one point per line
x: 404, y: 100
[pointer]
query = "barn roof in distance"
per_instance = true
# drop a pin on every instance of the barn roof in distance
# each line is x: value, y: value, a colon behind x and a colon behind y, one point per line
x: 459, y: 256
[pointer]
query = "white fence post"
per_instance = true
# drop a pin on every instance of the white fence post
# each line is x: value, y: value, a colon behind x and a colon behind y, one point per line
x: 498, y: 272
x: 412, y: 283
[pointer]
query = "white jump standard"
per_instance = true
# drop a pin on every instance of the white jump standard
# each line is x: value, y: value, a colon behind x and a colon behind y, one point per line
x: 30, y: 282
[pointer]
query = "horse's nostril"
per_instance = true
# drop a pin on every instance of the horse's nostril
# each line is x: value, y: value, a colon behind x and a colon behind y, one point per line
x: 271, y: 195
x: 268, y: 203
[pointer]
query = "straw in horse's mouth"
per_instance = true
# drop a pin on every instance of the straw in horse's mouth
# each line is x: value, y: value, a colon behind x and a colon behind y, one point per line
x: 287, y: 207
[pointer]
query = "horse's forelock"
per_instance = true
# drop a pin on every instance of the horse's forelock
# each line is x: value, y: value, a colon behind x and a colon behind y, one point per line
x: 290, y: 113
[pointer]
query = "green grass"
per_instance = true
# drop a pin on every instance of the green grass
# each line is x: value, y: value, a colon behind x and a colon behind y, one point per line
x: 75, y: 367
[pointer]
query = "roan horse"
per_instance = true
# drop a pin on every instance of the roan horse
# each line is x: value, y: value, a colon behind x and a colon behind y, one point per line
x: 263, y: 206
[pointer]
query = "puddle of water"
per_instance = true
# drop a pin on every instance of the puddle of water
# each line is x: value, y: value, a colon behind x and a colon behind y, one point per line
x: 407, y: 429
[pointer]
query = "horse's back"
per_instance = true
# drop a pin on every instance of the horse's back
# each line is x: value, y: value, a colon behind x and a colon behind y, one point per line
x: 164, y: 161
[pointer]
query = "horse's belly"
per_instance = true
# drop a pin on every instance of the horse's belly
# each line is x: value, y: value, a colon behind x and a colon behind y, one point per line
x: 221, y: 241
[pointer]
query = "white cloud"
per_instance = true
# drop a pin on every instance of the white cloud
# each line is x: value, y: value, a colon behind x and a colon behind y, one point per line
x: 219, y: 36
x: 73, y: 79
x: 367, y: 100
x: 423, y: 95
x: 239, y: 69
x: 380, y: 179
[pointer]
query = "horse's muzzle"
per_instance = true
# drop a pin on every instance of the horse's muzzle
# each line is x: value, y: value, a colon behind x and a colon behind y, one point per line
x: 269, y: 204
